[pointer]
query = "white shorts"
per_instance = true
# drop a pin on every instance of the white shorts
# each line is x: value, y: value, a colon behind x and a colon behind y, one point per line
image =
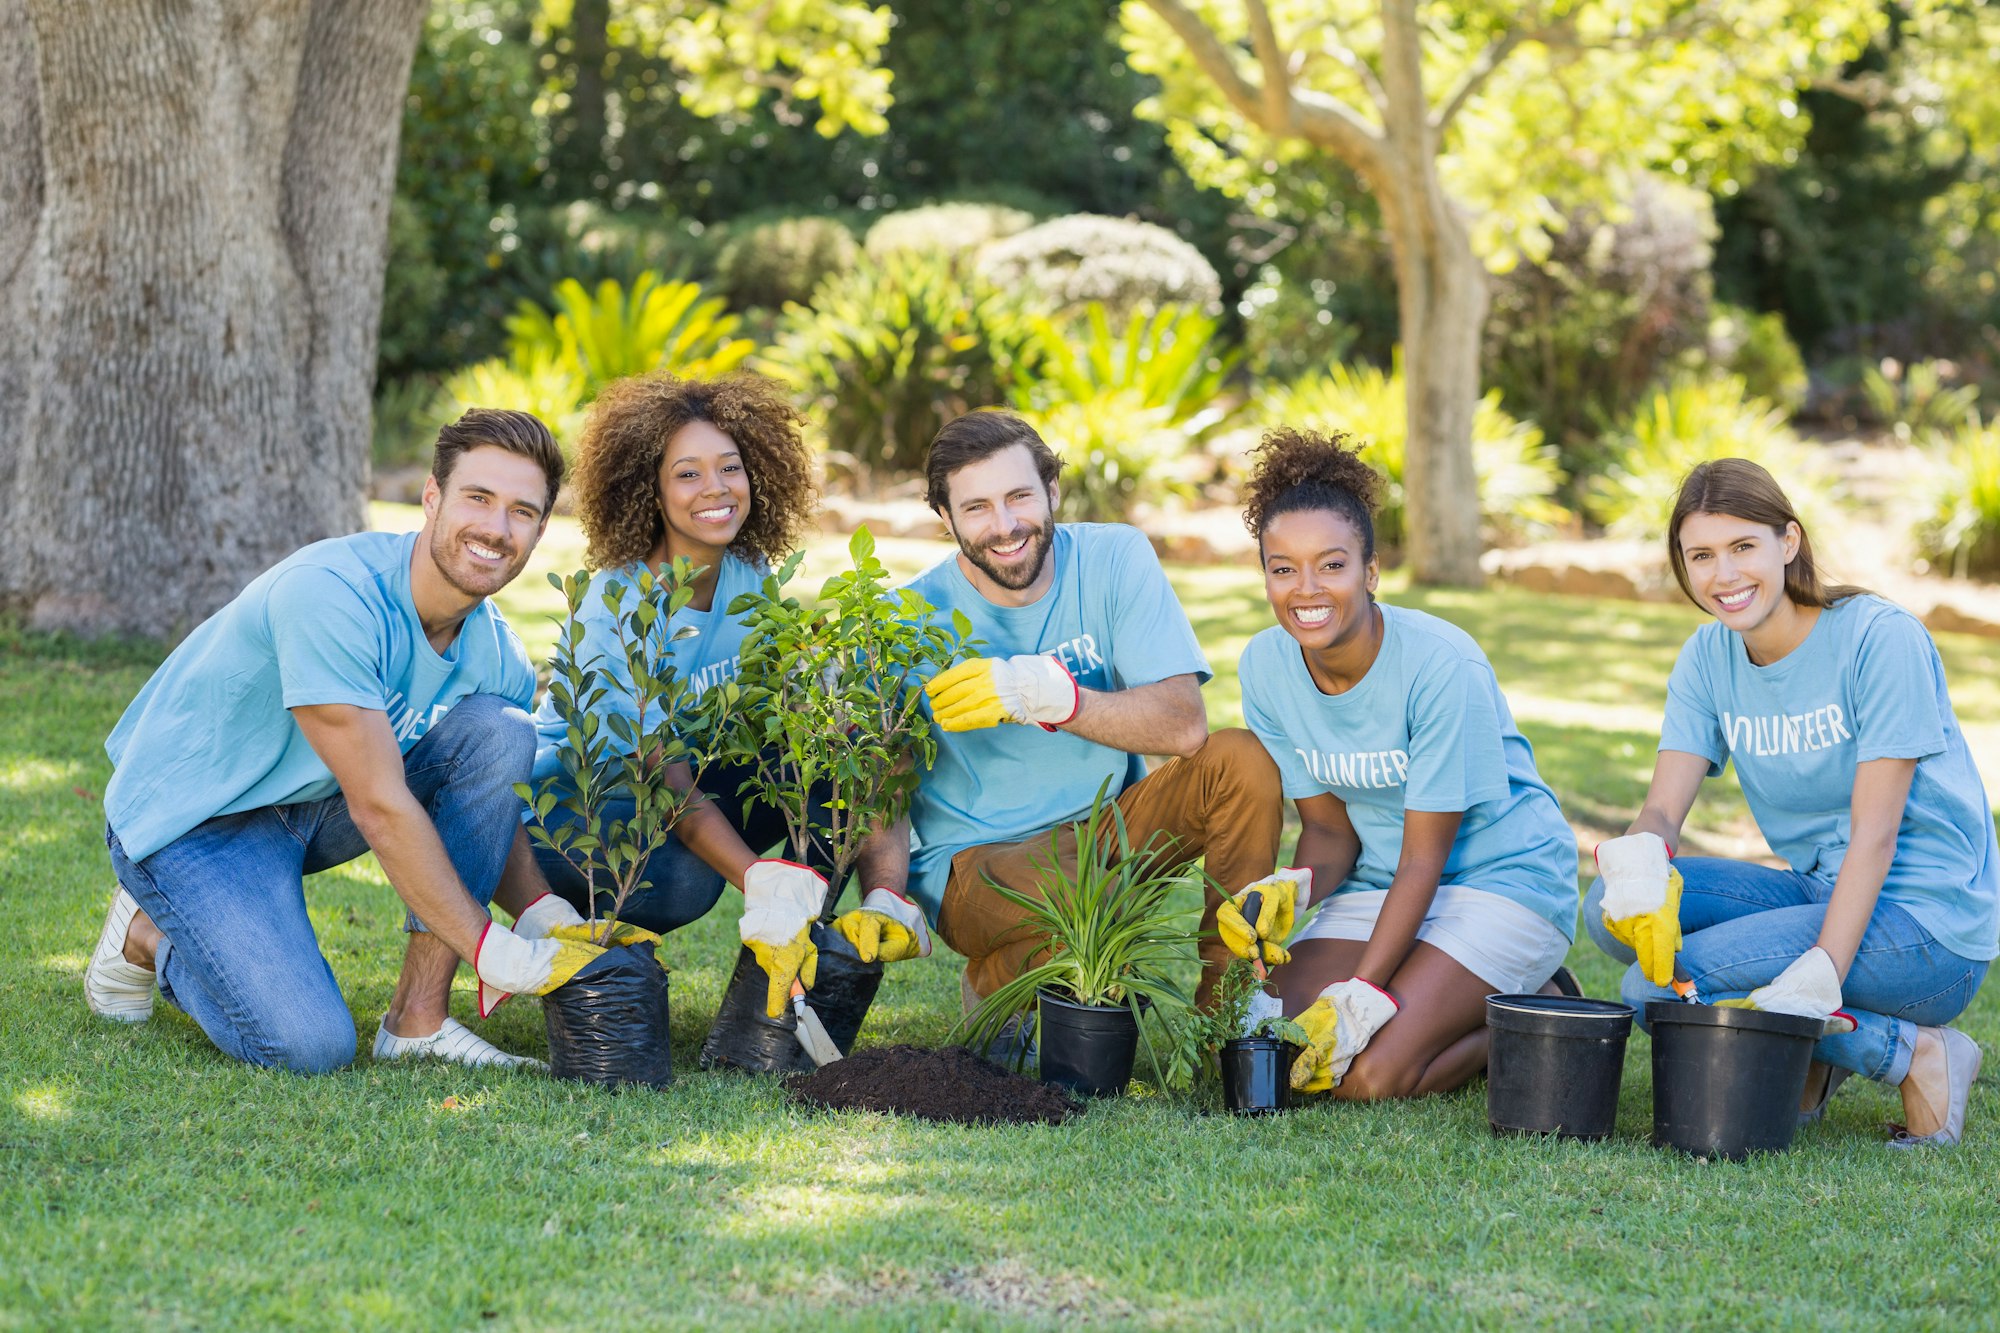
x: 1496, y: 939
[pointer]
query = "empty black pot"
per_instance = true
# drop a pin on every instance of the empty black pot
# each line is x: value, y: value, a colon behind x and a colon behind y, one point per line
x: 608, y: 1024
x: 1554, y: 1063
x: 1727, y: 1082
x: 1257, y: 1075
x: 1087, y: 1048
x: 745, y: 1038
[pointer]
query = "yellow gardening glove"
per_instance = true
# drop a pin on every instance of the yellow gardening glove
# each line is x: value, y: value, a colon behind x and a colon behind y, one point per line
x: 621, y: 934
x: 1642, y: 901
x: 1339, y: 1024
x: 983, y: 692
x: 887, y: 927
x: 781, y: 963
x: 509, y: 965
x: 1282, y: 898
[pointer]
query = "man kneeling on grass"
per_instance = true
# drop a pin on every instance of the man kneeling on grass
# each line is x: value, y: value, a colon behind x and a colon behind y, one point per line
x: 360, y: 695
x: 1091, y: 663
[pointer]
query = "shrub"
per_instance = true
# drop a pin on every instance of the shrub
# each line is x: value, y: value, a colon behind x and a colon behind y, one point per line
x: 1574, y: 339
x: 615, y: 333
x: 944, y: 229
x: 1960, y: 526
x: 1066, y: 263
x: 1918, y: 399
x: 776, y: 262
x: 1758, y: 348
x: 889, y: 352
x: 1127, y: 409
x: 536, y: 383
x: 404, y: 422
x: 1517, y: 471
x: 1693, y: 421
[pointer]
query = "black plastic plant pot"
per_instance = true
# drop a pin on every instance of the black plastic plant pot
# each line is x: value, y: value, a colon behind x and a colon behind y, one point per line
x: 745, y: 1038
x: 1554, y: 1063
x: 1727, y: 1082
x: 1087, y: 1048
x: 608, y: 1024
x: 1257, y: 1075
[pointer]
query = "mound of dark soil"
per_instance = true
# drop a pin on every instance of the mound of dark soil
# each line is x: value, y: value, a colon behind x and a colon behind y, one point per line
x: 949, y: 1083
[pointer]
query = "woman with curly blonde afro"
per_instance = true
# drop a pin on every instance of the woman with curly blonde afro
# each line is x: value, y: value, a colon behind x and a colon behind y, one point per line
x: 713, y: 472
x: 1441, y: 866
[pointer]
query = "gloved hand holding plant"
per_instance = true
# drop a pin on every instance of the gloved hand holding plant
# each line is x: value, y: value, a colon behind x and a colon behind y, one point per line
x: 1338, y: 1026
x: 1642, y: 900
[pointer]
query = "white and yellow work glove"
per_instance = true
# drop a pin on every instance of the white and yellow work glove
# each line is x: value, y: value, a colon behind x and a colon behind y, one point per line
x: 781, y: 899
x: 1339, y: 1025
x: 1642, y: 900
x: 552, y: 917
x: 886, y: 927
x: 509, y: 965
x: 983, y: 692
x: 1284, y: 896
x: 1808, y: 988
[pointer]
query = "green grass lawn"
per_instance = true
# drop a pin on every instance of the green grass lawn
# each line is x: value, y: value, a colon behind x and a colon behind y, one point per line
x: 146, y: 1181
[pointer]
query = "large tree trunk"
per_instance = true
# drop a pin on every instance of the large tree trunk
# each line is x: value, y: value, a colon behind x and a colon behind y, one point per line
x: 194, y: 199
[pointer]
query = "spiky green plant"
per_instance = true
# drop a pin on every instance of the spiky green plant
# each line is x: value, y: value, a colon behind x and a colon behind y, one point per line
x: 613, y: 332
x: 1960, y: 526
x: 1917, y: 400
x: 1517, y: 470
x: 1115, y: 937
x: 534, y: 382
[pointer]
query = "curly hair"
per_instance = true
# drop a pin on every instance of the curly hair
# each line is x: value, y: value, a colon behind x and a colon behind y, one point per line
x: 1302, y: 469
x: 625, y: 436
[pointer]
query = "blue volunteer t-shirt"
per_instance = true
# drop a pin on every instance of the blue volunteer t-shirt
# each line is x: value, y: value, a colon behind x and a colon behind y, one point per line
x: 1112, y: 619
x: 1867, y: 683
x: 1426, y: 729
x: 330, y: 624
x: 704, y: 659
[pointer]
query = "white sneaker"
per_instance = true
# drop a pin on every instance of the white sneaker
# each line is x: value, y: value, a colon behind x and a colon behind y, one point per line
x: 112, y: 987
x: 454, y: 1042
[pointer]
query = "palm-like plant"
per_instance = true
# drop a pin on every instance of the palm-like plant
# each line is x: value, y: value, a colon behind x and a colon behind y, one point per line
x: 1115, y: 939
x: 602, y: 336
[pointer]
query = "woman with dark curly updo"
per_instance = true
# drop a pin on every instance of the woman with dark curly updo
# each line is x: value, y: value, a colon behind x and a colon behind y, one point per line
x: 713, y: 472
x: 1442, y: 867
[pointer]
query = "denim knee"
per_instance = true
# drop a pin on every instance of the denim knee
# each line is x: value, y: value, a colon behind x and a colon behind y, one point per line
x: 307, y: 1040
x: 495, y: 732
x: 1593, y: 921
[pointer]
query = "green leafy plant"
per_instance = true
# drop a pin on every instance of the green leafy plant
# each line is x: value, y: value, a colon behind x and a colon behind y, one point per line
x: 1128, y: 408
x: 775, y: 262
x: 614, y: 332
x: 620, y: 751
x: 1115, y: 936
x: 1695, y: 421
x: 826, y: 695
x: 533, y: 382
x: 1203, y: 1031
x: 1960, y: 527
x: 889, y: 352
x: 1760, y: 349
x: 1918, y: 398
x: 1517, y: 470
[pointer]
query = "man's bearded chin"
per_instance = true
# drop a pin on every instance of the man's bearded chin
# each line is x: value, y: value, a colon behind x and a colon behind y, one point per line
x: 1020, y: 576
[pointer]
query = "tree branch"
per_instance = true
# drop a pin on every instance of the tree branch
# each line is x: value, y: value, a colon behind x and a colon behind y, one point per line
x: 1277, y: 80
x: 1476, y: 75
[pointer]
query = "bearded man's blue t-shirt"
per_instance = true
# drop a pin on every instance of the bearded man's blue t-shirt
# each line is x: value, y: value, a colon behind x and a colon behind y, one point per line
x: 1866, y: 683
x: 1112, y: 619
x: 704, y: 659
x: 332, y: 623
x: 1425, y: 729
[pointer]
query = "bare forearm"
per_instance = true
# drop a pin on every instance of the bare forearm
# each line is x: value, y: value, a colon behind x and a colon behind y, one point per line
x: 404, y: 840
x: 884, y: 859
x: 707, y: 832
x: 1855, y: 893
x: 1329, y: 856
x: 1167, y: 717
x: 1395, y: 933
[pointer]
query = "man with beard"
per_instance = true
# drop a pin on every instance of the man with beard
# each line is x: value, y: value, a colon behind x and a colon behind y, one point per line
x: 360, y: 695
x: 1090, y: 663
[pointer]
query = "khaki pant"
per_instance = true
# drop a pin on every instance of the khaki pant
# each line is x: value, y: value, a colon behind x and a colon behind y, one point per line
x: 1222, y: 803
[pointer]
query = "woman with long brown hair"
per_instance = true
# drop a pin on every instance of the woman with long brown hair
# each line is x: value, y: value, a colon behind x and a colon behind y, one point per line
x: 1832, y: 704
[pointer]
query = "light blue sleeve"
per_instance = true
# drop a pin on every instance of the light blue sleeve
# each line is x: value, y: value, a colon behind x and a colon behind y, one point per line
x: 327, y: 641
x: 1456, y: 759
x: 1260, y: 715
x: 1692, y: 724
x: 1150, y: 632
x: 1895, y: 698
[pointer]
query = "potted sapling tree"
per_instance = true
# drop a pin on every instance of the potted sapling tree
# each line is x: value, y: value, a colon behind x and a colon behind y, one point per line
x: 624, y: 711
x: 827, y: 716
x: 1116, y: 942
x: 1245, y: 1036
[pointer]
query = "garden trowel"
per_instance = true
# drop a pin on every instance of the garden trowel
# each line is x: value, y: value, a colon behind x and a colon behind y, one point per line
x: 812, y: 1033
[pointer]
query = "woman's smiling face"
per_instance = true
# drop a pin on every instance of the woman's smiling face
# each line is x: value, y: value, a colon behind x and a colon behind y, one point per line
x: 1316, y: 578
x: 704, y: 488
x: 1736, y: 568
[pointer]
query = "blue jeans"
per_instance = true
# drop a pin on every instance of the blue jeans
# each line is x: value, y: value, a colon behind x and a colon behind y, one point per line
x: 677, y: 887
x: 239, y: 955
x: 1743, y: 924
